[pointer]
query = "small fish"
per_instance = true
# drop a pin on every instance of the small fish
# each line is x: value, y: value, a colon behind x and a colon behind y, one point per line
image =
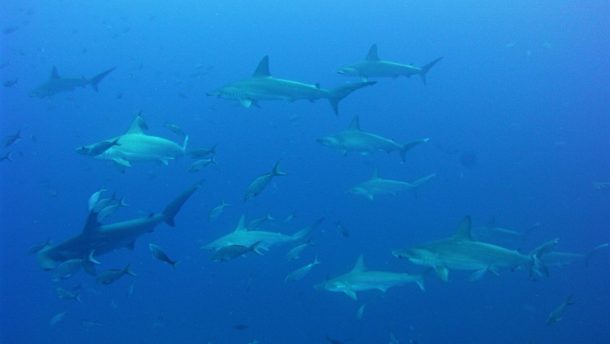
x: 301, y: 272
x: 9, y: 29
x: 175, y: 129
x: 259, y: 184
x: 69, y: 294
x: 200, y: 153
x: 10, y: 83
x: 57, y: 318
x: 200, y: 164
x: 110, y: 276
x: 557, y: 314
x: 360, y: 311
x: 9, y: 140
x: 295, y: 252
x: 98, y: 148
x: 158, y: 253
x: 231, y: 252
x: 217, y: 211
x: 67, y: 269
x: 38, y: 246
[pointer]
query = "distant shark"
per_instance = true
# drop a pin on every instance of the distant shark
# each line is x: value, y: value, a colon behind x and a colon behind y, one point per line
x: 262, y: 86
x: 355, y: 140
x: 380, y: 186
x: 135, y: 145
x: 374, y: 67
x: 97, y: 239
x: 362, y: 279
x: 57, y: 84
x: 462, y: 252
x: 264, y: 240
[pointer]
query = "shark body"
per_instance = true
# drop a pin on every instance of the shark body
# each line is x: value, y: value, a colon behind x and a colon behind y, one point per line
x: 355, y: 140
x: 462, y: 252
x: 374, y: 67
x: 380, y: 186
x: 57, y: 84
x: 264, y: 240
x: 137, y: 146
x: 362, y: 279
x: 261, y: 86
x: 98, y: 239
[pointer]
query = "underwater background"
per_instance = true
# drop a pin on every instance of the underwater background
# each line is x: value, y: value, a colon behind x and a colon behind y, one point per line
x: 518, y: 116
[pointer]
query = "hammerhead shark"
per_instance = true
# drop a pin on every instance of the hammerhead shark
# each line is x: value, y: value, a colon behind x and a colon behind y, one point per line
x: 262, y: 86
x: 57, y: 84
x: 374, y: 67
x: 97, y: 239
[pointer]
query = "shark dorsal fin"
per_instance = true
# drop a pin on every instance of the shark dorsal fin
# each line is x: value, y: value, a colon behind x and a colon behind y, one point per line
x: 262, y: 70
x: 359, y: 267
x: 372, y: 55
x: 375, y: 174
x: 54, y: 73
x: 241, y: 225
x: 354, y: 124
x: 138, y: 125
x: 463, y: 231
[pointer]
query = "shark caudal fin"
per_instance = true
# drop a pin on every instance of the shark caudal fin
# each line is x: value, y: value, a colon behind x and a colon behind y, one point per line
x: 423, y: 180
x: 337, y: 94
x: 94, y: 81
x: 276, y: 170
x: 426, y: 68
x: 410, y: 145
x: 536, y: 265
x: 174, y: 207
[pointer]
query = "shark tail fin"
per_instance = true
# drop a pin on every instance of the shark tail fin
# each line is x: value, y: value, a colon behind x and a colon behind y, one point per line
x: 592, y: 252
x: 426, y: 68
x: 173, y: 208
x: 537, y: 267
x: 423, y: 180
x: 337, y: 94
x: 276, y: 170
x: 94, y: 81
x: 410, y: 145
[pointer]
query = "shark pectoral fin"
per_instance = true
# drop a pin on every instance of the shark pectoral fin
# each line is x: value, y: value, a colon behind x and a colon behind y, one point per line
x: 364, y: 79
x: 370, y: 197
x: 442, y: 272
x: 382, y: 289
x: 477, y: 275
x: 351, y: 294
x: 493, y: 270
x: 164, y: 161
x: 122, y: 162
x: 247, y: 103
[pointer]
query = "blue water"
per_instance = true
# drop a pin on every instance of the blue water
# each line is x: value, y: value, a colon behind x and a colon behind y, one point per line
x: 522, y: 86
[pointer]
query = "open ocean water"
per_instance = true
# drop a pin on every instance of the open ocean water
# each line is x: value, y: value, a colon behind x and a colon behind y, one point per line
x: 517, y: 114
